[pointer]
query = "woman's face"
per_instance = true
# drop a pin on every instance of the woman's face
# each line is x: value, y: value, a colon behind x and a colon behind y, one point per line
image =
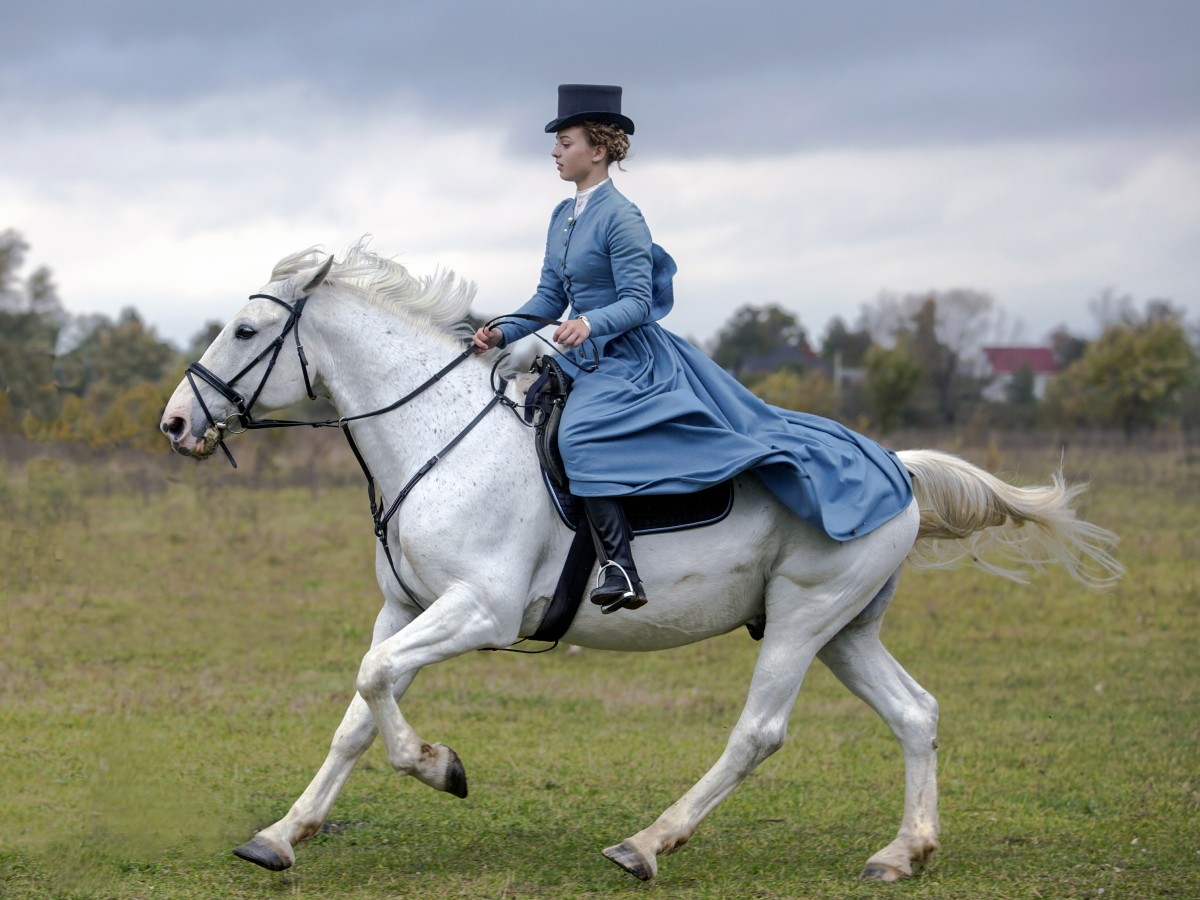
x: 577, y: 160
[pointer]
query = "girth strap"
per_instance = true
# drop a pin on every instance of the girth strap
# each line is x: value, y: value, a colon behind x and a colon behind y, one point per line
x: 383, y: 518
x: 568, y: 593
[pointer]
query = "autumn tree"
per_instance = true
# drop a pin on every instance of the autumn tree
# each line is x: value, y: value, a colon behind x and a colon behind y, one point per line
x: 946, y: 330
x: 30, y: 318
x: 845, y: 345
x: 893, y: 373
x: 757, y: 332
x: 74, y: 378
x: 42, y: 296
x: 1021, y: 408
x: 120, y: 354
x: 12, y: 257
x: 1132, y: 377
x: 27, y: 362
x: 810, y: 392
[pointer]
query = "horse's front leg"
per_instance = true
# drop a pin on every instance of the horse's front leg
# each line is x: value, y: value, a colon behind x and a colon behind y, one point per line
x: 462, y: 619
x: 272, y: 848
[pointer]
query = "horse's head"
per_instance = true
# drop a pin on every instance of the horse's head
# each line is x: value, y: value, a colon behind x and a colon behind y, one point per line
x: 256, y: 361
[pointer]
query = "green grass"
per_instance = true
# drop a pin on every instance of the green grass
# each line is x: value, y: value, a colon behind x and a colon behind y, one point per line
x: 175, y: 657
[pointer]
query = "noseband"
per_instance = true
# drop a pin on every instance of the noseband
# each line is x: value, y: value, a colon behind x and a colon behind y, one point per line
x: 245, y: 420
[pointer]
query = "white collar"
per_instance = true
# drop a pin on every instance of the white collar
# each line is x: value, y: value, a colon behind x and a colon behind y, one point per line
x: 582, y: 197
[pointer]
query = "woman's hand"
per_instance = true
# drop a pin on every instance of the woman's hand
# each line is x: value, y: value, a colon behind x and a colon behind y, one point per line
x: 572, y: 333
x: 487, y: 338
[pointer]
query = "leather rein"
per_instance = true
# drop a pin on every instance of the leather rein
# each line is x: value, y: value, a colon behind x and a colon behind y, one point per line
x: 244, y: 419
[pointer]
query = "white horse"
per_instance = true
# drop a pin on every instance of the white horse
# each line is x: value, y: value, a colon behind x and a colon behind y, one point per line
x: 478, y: 540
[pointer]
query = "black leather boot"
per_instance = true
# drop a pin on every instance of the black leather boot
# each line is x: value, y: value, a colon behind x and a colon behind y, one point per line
x: 621, y: 588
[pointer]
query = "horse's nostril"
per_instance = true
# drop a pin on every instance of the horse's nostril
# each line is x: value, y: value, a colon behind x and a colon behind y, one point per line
x: 173, y: 427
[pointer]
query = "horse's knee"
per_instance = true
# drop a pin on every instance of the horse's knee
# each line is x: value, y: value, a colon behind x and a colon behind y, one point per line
x: 929, y: 704
x: 760, y: 740
x: 772, y: 737
x: 918, y: 723
x: 374, y: 679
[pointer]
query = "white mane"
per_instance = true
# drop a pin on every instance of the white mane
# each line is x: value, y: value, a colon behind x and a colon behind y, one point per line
x: 439, y: 301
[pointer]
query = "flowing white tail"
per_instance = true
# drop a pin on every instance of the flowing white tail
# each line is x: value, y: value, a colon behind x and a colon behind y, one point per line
x: 969, y: 517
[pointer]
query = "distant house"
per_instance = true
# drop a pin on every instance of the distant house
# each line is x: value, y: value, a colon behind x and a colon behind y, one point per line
x: 1001, y: 364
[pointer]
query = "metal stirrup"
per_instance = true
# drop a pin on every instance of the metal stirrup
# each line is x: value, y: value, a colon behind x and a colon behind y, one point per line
x: 624, y: 574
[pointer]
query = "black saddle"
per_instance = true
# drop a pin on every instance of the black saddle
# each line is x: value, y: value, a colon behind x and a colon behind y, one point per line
x: 647, y: 514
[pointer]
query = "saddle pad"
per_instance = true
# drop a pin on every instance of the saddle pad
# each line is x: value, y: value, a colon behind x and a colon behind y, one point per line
x: 654, y: 513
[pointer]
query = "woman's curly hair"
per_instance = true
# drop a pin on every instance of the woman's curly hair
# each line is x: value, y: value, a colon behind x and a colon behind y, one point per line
x: 611, y: 137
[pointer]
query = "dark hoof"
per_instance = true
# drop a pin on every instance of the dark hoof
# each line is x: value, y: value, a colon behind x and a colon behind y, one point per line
x: 882, y: 872
x: 456, y: 776
x: 628, y: 858
x: 261, y: 855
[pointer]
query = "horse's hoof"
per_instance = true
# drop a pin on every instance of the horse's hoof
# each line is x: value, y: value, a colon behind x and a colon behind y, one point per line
x: 456, y: 776
x: 261, y: 854
x: 882, y: 872
x: 629, y: 858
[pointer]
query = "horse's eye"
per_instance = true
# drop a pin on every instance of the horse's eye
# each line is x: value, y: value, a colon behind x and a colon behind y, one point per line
x: 244, y: 333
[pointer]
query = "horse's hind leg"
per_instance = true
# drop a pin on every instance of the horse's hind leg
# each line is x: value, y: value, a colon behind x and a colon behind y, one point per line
x: 787, y: 651
x: 860, y: 662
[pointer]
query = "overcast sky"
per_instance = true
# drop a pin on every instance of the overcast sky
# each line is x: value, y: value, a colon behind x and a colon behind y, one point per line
x: 166, y: 155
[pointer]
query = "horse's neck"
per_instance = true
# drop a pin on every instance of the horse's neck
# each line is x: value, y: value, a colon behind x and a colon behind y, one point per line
x: 368, y: 359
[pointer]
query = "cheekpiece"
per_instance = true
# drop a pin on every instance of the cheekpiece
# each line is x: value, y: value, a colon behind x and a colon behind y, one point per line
x: 579, y: 103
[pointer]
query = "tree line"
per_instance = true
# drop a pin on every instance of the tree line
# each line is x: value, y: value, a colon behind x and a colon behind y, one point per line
x: 917, y: 361
x: 908, y: 361
x: 82, y: 379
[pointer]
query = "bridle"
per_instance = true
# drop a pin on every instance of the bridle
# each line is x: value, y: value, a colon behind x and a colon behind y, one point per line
x: 244, y: 419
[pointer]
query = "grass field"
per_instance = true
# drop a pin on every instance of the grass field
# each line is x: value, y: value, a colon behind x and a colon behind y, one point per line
x: 176, y: 650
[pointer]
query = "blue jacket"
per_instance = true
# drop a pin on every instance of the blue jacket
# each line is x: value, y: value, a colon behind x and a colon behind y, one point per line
x: 657, y: 416
x: 604, y: 266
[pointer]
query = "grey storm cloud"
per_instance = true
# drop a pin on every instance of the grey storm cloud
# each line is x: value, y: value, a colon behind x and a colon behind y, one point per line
x: 711, y: 78
x: 810, y: 153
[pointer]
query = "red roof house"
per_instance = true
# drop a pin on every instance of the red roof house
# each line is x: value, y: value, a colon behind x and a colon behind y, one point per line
x: 1002, y: 363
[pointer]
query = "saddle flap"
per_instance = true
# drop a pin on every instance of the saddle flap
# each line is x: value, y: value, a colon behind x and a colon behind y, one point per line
x: 544, y: 404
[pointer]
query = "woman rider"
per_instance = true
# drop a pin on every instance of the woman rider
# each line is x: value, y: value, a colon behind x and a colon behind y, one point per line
x: 655, y: 415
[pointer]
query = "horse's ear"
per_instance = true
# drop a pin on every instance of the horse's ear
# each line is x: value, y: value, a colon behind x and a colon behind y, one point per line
x: 318, y: 277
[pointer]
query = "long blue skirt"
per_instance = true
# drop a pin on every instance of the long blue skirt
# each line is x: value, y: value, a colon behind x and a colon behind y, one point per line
x: 659, y: 417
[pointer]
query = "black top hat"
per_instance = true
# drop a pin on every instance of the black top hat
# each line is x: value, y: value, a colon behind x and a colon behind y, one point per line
x: 589, y: 103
